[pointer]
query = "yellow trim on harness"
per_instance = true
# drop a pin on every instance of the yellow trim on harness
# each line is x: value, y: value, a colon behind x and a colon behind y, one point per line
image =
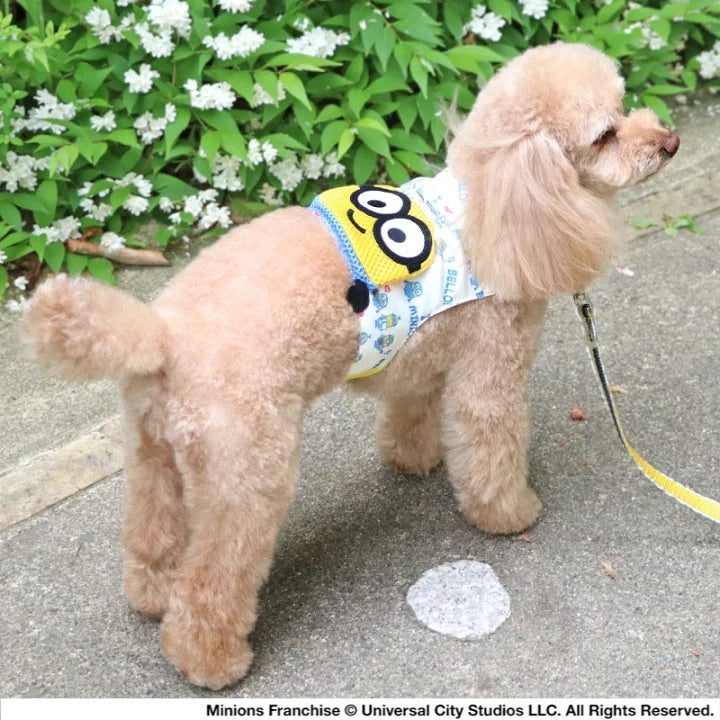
x: 699, y: 503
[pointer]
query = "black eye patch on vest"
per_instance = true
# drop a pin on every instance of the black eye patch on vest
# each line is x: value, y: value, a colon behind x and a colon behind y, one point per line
x: 358, y: 296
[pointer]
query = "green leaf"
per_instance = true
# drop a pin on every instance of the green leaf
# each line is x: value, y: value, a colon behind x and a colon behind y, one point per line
x: 10, y: 214
x: 608, y: 13
x: 75, y: 263
x: 665, y: 89
x: 296, y: 61
x: 356, y: 100
x: 375, y: 140
x: 347, y: 138
x: 503, y: 8
x: 234, y: 144
x: 63, y: 158
x: 454, y: 19
x: 47, y: 194
x: 294, y: 86
x: 175, y: 128
x: 210, y: 143
x: 164, y: 236
x: 419, y: 74
x: 470, y: 57
x: 269, y: 82
x: 54, y: 256
x: 172, y: 187
x: 27, y: 201
x: 102, y: 269
x: 397, y: 172
x: 329, y: 112
x: 390, y: 82
x: 3, y: 280
x: 643, y: 224
x: 415, y: 162
x: 331, y: 135
x: 407, y: 111
x: 406, y: 141
x: 373, y: 124
x: 363, y: 165
x: 384, y: 46
x: 124, y: 137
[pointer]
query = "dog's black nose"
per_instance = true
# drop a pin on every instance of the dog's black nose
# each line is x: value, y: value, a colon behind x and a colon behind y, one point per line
x: 671, y: 143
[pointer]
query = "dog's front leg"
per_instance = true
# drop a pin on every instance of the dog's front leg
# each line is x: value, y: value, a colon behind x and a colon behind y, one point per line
x: 240, y: 484
x: 486, y: 420
x: 409, y: 431
x: 486, y: 455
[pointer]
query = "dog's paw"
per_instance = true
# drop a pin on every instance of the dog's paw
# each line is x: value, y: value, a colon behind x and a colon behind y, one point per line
x: 411, y: 457
x: 505, y: 515
x: 205, y: 656
x: 147, y: 590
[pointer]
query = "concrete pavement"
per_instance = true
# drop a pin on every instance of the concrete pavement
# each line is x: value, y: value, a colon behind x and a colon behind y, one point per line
x: 614, y: 592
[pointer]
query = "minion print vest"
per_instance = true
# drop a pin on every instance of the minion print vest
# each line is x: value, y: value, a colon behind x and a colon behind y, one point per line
x: 404, y: 252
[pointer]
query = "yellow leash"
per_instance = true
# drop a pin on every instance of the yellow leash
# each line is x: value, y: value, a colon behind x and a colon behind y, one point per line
x: 699, y: 503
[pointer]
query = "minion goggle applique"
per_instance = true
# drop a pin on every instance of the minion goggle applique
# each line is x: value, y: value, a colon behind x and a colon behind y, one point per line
x: 384, y: 235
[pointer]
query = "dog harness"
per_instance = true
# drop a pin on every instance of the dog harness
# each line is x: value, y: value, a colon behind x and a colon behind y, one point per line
x: 405, y: 254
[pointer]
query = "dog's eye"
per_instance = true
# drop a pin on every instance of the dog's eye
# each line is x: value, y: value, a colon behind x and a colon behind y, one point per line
x: 607, y: 135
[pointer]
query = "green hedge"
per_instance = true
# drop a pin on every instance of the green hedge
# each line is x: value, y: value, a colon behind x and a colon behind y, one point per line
x: 113, y: 113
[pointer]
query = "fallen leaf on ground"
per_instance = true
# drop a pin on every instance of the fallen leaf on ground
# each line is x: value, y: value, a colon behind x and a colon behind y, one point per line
x: 609, y: 569
x: 620, y: 389
x: 576, y: 413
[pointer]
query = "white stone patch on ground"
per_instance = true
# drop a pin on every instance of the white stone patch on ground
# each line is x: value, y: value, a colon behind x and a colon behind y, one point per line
x: 463, y: 599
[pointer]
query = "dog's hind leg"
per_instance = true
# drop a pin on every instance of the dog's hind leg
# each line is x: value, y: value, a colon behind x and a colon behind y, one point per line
x: 409, y: 431
x: 155, y: 531
x: 241, y: 480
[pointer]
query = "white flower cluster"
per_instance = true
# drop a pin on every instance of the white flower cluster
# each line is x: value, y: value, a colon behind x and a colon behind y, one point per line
x: 100, y: 24
x: 141, y: 82
x: 150, y: 128
x: 165, y: 19
x: 710, y: 62
x: 258, y: 152
x: 225, y: 173
x: 649, y: 37
x: 235, y: 6
x: 262, y: 97
x: 485, y: 24
x: 241, y: 44
x: 60, y: 231
x: 215, y: 96
x: 135, y: 204
x: 204, y: 210
x: 318, y: 42
x: 21, y: 171
x: 534, y: 8
x: 40, y: 118
x: 103, y: 122
x: 290, y: 172
x: 112, y: 241
x: 17, y: 306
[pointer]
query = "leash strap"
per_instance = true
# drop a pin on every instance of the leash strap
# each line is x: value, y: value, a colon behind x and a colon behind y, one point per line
x: 699, y: 503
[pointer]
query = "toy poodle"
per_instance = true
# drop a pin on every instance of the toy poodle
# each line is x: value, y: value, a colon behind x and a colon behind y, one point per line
x: 431, y: 298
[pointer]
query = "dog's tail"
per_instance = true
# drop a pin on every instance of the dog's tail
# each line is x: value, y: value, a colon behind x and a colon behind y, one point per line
x: 86, y: 330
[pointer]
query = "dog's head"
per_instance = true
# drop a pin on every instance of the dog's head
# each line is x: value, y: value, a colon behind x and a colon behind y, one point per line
x: 545, y: 147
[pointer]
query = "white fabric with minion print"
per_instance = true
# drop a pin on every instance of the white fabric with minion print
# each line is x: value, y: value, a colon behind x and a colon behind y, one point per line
x: 432, y: 279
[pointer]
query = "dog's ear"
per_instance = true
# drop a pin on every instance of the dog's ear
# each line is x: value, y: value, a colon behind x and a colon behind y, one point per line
x: 530, y: 229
